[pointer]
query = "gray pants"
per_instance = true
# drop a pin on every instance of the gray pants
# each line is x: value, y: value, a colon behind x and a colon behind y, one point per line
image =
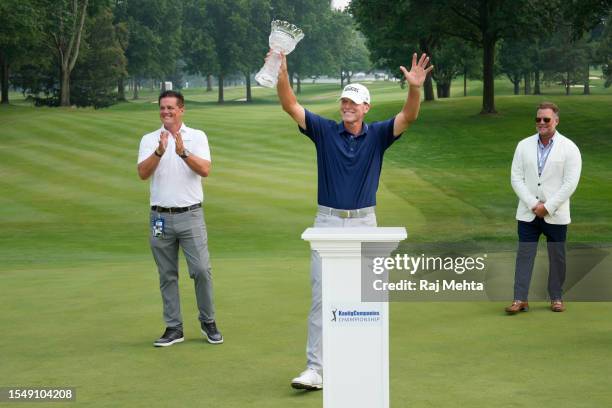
x: 314, y: 346
x: 188, y: 231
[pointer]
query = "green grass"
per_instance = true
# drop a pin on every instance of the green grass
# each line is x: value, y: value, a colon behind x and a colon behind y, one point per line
x: 80, y: 302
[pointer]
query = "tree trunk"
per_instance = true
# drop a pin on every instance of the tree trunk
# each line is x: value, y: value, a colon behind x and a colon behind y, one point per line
x: 587, y: 88
x: 567, y: 84
x: 120, y: 89
x: 488, y: 61
x: 4, y: 67
x: 446, y: 89
x: 65, y: 87
x: 249, y: 97
x: 135, y: 89
x: 299, y: 85
x: 516, y: 82
x: 443, y: 89
x: 341, y: 79
x: 348, y: 78
x: 527, y: 77
x: 68, y: 55
x: 465, y: 82
x: 536, y: 82
x: 428, y: 88
x: 209, y: 83
x: 220, y: 97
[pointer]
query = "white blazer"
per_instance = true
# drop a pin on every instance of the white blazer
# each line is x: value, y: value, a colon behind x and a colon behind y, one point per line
x: 558, y: 181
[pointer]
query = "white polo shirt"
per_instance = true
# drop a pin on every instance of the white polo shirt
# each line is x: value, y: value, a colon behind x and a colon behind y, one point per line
x: 174, y: 184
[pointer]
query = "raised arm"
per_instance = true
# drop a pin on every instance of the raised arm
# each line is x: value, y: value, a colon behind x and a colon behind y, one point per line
x: 287, y: 97
x: 415, y: 78
x: 147, y: 167
x: 197, y: 164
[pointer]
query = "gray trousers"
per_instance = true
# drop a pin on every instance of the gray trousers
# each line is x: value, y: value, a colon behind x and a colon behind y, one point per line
x: 188, y: 231
x: 314, y: 346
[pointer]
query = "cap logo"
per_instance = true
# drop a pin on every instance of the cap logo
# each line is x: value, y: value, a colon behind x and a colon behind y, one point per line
x: 351, y: 88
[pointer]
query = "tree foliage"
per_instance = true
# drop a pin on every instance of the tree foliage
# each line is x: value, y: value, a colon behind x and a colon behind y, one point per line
x: 64, y: 25
x: 20, y: 34
x: 84, y: 51
x: 102, y: 62
x: 515, y: 61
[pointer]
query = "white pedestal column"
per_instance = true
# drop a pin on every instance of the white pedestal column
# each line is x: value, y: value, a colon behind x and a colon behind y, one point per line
x: 355, y: 333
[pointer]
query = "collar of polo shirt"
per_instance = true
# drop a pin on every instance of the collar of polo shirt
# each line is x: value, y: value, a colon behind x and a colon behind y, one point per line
x: 342, y: 129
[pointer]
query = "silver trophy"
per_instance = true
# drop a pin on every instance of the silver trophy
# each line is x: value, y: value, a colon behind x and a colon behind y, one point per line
x: 283, y: 38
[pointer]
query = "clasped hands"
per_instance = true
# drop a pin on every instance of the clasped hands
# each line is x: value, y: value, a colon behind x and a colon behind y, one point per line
x: 539, y: 210
x: 163, y: 143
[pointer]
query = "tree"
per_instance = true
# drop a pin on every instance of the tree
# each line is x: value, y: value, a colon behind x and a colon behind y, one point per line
x: 198, y: 48
x: 255, y: 43
x: 19, y: 32
x: 485, y: 22
x: 604, y: 51
x: 353, y: 54
x: 583, y: 16
x: 154, y: 28
x: 318, y: 52
x: 64, y: 27
x: 447, y: 59
x: 120, y: 19
x: 469, y: 61
x: 565, y: 59
x: 170, y: 31
x: 228, y: 34
x: 101, y: 64
x: 396, y: 29
x: 515, y: 61
x: 94, y: 76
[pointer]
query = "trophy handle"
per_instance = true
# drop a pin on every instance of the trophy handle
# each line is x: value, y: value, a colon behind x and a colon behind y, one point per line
x: 268, y: 74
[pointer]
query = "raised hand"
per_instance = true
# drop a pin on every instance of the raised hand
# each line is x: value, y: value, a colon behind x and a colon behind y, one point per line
x: 163, y: 143
x: 418, y: 71
x: 178, y: 142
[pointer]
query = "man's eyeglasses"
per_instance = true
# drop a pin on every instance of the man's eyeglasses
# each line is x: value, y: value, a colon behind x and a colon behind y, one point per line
x: 545, y: 120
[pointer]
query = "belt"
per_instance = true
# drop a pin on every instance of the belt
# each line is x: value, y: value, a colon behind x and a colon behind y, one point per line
x: 175, y: 210
x: 357, y: 213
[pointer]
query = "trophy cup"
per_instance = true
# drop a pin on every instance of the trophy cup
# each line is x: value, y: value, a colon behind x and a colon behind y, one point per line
x: 283, y: 38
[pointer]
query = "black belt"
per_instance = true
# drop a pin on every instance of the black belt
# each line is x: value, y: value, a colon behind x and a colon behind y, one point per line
x: 175, y: 210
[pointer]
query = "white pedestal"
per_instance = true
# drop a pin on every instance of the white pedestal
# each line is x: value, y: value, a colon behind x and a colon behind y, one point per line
x: 355, y: 345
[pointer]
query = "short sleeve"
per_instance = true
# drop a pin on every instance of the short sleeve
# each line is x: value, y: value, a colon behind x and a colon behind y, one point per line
x: 385, y: 130
x: 147, y: 147
x: 314, y: 126
x: 201, y: 148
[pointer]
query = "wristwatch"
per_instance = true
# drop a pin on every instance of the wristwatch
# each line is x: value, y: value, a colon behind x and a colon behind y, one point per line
x: 186, y: 154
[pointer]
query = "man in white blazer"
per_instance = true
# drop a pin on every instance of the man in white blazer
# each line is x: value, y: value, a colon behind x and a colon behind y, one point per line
x: 545, y: 173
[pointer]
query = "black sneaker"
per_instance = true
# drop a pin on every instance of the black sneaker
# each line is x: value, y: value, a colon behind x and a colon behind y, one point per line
x: 171, y: 335
x: 209, y: 330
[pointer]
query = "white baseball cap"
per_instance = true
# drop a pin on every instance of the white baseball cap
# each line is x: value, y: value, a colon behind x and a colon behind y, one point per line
x: 356, y: 93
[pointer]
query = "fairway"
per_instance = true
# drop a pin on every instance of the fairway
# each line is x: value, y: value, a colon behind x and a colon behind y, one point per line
x: 79, y: 288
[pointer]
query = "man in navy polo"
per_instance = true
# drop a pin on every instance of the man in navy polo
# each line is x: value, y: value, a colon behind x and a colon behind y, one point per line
x: 349, y: 160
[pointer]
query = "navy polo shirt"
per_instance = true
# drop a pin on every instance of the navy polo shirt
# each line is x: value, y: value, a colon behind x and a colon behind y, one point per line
x: 348, y: 166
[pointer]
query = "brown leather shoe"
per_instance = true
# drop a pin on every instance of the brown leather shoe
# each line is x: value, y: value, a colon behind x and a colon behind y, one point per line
x: 517, y: 306
x: 557, y: 306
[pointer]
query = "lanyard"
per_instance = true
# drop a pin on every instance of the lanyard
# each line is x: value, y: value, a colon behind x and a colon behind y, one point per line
x: 543, y: 157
